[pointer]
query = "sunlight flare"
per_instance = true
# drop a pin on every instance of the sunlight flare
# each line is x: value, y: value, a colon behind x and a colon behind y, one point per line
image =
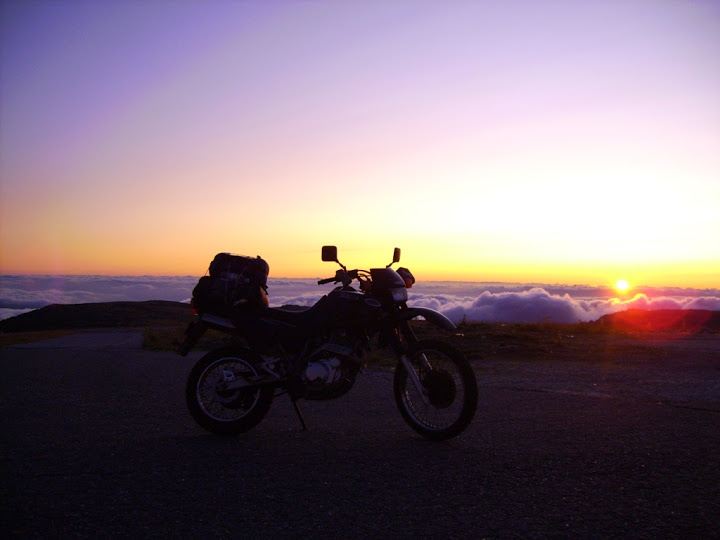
x: 621, y: 285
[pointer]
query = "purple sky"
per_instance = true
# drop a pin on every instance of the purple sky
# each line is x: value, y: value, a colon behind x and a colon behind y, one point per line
x: 571, y: 141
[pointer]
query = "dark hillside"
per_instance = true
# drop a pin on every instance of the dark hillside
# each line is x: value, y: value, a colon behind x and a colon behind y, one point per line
x: 663, y: 320
x: 99, y: 315
x: 160, y: 313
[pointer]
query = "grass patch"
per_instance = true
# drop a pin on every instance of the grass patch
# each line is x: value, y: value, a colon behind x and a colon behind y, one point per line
x: 18, y: 338
x: 475, y: 340
x: 169, y: 338
x: 536, y: 341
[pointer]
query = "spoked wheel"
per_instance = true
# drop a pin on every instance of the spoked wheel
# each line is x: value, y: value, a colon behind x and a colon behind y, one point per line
x: 445, y: 403
x: 221, y: 410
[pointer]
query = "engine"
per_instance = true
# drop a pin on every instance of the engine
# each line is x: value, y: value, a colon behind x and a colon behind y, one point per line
x: 325, y: 371
x: 332, y: 368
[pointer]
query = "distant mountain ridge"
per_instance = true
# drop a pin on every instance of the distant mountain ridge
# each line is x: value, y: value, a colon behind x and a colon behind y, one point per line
x: 658, y: 320
x: 100, y: 315
x: 161, y: 313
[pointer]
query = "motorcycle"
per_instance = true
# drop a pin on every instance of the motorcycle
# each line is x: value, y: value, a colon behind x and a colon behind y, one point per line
x: 316, y: 353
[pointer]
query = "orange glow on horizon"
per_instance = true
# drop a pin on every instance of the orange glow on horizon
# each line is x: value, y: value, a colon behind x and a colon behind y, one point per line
x: 307, y: 264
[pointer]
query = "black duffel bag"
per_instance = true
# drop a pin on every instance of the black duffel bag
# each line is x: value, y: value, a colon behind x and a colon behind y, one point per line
x: 235, y: 281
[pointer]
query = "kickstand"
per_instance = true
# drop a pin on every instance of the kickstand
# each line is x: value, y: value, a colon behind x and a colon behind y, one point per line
x: 299, y: 414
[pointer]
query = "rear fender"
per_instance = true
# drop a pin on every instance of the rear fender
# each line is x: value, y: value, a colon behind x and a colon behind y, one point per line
x: 430, y: 315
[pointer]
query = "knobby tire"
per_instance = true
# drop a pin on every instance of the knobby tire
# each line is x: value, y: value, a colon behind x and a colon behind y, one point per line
x: 451, y: 386
x: 229, y: 413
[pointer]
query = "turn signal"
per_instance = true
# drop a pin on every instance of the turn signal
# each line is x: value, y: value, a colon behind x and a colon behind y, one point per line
x: 407, y: 277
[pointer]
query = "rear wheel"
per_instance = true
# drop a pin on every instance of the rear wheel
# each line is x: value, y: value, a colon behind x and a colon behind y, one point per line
x: 448, y: 400
x: 223, y: 411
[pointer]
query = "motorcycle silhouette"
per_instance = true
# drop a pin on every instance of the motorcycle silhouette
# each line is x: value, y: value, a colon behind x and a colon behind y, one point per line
x: 316, y: 353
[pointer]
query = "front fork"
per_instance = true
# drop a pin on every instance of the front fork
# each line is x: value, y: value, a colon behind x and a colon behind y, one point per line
x: 401, y: 348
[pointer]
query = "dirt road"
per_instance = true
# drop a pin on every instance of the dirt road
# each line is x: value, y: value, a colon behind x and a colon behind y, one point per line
x: 96, y: 442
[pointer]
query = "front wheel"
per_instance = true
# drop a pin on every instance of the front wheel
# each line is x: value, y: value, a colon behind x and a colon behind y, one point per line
x: 446, y: 402
x: 222, y: 411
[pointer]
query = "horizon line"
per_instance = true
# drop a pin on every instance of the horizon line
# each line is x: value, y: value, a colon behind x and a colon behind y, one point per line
x: 525, y: 283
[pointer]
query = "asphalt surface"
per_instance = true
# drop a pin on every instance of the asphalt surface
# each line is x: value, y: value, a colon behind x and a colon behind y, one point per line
x: 96, y: 442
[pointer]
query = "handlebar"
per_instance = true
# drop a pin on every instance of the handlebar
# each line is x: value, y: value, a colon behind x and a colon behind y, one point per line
x: 344, y: 276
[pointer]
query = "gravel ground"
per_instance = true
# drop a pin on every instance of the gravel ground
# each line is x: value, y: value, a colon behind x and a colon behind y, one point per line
x: 680, y: 371
x: 95, y: 441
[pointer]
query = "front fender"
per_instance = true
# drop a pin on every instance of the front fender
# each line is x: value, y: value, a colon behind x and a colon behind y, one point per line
x: 430, y: 315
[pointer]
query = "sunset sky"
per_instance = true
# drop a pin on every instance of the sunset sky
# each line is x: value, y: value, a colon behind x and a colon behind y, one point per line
x: 520, y: 141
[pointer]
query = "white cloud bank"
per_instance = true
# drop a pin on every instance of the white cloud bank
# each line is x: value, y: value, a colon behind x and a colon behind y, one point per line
x: 494, y: 302
x: 19, y: 294
x: 474, y: 302
x: 538, y: 305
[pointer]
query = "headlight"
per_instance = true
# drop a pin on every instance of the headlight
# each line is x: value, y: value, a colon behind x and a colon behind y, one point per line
x: 399, y: 294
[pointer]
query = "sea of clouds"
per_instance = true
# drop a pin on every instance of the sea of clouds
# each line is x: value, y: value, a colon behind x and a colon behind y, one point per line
x: 471, y: 301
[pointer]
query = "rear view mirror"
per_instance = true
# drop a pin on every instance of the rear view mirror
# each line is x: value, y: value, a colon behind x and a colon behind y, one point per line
x: 396, y: 257
x: 329, y: 254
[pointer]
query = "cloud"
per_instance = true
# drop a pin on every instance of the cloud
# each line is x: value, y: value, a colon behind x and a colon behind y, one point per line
x: 539, y: 305
x: 534, y: 305
x: 19, y: 294
x: 474, y: 302
x: 24, y: 293
x: 704, y: 302
x: 642, y: 301
x: 6, y: 313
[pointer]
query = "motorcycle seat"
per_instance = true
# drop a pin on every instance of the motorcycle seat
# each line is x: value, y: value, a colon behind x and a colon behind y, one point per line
x: 295, y: 315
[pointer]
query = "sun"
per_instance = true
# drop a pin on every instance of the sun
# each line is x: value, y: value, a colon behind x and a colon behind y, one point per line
x: 622, y: 285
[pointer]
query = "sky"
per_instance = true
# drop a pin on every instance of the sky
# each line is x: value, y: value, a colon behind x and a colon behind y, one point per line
x: 527, y: 141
